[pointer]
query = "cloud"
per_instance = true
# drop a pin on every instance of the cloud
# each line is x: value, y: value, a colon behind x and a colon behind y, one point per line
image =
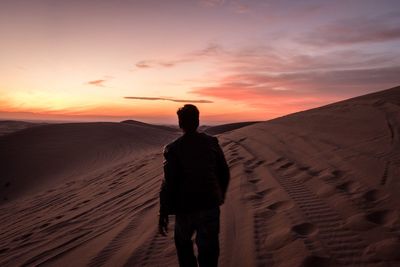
x: 211, y: 50
x: 240, y: 8
x: 99, y: 82
x: 143, y: 64
x: 353, y: 31
x: 169, y: 99
x: 147, y: 64
x: 277, y: 61
x: 298, y: 85
x: 211, y: 3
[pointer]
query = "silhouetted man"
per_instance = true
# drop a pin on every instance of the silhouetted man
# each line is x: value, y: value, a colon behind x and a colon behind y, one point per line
x: 196, y: 178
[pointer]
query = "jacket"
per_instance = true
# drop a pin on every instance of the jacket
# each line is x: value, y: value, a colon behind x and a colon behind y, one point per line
x: 196, y: 175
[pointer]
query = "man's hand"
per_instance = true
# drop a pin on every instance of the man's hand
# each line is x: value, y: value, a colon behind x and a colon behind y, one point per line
x: 163, y: 224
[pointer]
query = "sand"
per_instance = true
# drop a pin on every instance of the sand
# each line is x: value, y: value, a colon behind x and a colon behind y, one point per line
x: 36, y: 158
x: 7, y: 126
x: 315, y: 188
x: 224, y: 128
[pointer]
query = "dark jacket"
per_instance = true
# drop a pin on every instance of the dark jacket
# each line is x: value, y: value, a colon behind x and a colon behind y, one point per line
x: 196, y: 174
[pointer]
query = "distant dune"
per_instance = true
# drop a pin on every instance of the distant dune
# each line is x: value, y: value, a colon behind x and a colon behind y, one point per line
x: 162, y: 127
x: 40, y: 156
x: 7, y: 126
x: 315, y: 188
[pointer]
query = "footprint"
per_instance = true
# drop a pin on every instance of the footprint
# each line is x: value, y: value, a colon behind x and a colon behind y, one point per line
x: 278, y: 239
x: 44, y: 225
x: 260, y: 162
x: 313, y: 261
x: 280, y: 205
x: 312, y: 172
x: 268, y: 190
x: 248, y: 170
x: 224, y: 144
x: 337, y: 173
x: 286, y: 165
x: 254, y: 180
x: 2, y: 250
x: 305, y: 229
x: 253, y: 196
x: 374, y: 195
x: 325, y: 190
x: 358, y: 222
x: 26, y: 236
x: 383, y: 217
x: 275, y: 161
x: 301, y: 177
x: 233, y: 161
x: 384, y: 250
x: 349, y: 187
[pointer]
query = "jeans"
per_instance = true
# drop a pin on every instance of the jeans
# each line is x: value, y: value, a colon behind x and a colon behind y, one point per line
x: 206, y: 225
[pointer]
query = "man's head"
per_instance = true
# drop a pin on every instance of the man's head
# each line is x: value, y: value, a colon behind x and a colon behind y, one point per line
x: 188, y: 118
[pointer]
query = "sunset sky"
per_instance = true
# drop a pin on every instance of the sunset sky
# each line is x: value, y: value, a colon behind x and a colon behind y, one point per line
x: 236, y: 60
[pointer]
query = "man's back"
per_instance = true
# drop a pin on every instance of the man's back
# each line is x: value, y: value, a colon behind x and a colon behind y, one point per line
x: 196, y: 167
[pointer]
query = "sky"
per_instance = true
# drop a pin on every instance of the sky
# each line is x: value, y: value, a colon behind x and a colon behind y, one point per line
x: 236, y: 60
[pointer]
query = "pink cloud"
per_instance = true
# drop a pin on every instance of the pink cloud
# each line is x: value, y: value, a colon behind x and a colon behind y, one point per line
x: 211, y: 3
x: 284, y: 93
x: 210, y: 51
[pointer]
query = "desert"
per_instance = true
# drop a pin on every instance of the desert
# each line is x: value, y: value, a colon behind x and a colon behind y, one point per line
x: 313, y: 188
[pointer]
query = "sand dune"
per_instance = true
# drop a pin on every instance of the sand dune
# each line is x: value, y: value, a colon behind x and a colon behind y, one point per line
x: 162, y: 127
x: 38, y: 157
x: 7, y: 127
x: 219, y: 129
x: 316, y: 188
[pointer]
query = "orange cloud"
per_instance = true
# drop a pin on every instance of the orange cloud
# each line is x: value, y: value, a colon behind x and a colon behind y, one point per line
x: 99, y: 82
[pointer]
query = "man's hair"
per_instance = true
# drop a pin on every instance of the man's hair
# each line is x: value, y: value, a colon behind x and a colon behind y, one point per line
x: 188, y: 116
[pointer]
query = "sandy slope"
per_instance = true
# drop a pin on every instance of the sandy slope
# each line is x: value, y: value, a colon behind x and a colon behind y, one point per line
x: 219, y: 129
x: 41, y: 156
x: 317, y: 188
x: 7, y: 126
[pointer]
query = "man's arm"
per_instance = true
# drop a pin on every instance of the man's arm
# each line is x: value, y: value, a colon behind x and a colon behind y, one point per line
x: 167, y: 191
x: 168, y: 185
x: 222, y: 170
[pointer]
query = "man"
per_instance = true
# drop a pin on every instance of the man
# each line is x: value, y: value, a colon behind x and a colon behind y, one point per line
x: 196, y: 178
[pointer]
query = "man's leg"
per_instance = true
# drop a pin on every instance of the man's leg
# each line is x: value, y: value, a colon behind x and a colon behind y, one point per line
x: 207, y: 238
x: 184, y: 230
